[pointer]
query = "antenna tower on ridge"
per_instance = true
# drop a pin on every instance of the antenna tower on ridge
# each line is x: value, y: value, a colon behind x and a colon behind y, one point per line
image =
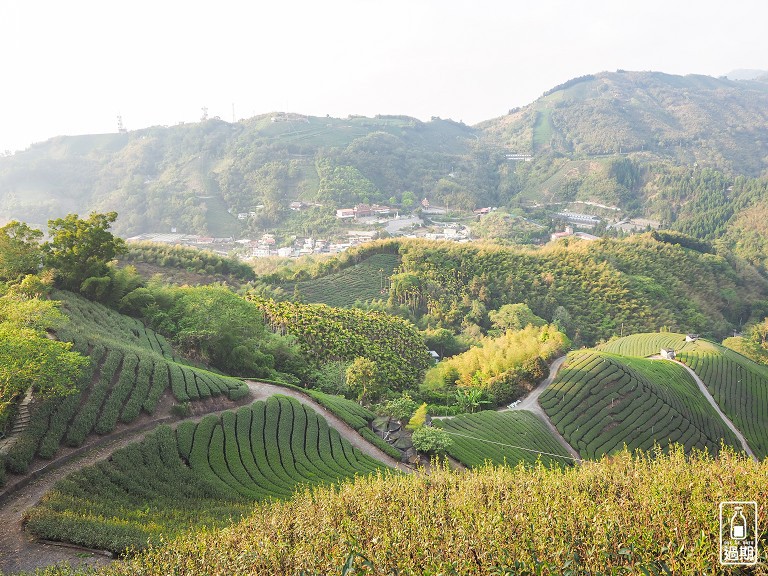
x: 120, y: 128
x: 204, y: 117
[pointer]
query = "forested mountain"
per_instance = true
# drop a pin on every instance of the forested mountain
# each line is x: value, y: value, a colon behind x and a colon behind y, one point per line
x: 197, y: 177
x: 690, y: 152
x: 718, y: 123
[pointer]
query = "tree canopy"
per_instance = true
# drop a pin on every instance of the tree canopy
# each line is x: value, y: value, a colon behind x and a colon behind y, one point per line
x: 28, y: 357
x: 80, y: 249
x: 20, y: 251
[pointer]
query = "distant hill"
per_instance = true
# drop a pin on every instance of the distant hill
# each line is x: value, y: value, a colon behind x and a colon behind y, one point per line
x: 746, y: 74
x: 718, y: 123
x: 198, y: 177
x: 632, y: 141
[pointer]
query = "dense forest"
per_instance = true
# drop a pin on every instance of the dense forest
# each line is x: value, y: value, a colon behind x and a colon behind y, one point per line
x: 592, y: 290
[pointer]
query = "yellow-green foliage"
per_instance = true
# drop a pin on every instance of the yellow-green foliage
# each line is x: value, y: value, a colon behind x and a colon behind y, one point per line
x: 28, y: 357
x: 419, y: 418
x: 747, y: 348
x: 619, y: 512
x: 592, y: 289
x: 495, y: 356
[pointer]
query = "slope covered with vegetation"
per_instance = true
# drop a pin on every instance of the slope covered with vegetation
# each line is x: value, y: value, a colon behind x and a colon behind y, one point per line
x: 689, y: 152
x: 503, y: 439
x: 712, y: 121
x: 361, y: 282
x: 197, y: 177
x: 738, y: 384
x: 327, y: 334
x: 129, y: 369
x: 601, y: 402
x: 591, y: 290
x: 625, y: 513
x: 211, y: 266
x: 503, y: 368
x: 201, y: 474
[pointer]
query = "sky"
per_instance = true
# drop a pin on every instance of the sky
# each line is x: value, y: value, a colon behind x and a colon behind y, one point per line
x: 71, y: 67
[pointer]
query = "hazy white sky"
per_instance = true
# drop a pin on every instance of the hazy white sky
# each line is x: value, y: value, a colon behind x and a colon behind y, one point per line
x: 69, y: 67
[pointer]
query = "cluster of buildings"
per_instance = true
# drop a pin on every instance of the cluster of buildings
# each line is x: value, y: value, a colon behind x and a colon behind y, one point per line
x: 568, y: 232
x: 452, y: 232
x: 265, y: 247
x: 363, y: 211
x: 584, y: 220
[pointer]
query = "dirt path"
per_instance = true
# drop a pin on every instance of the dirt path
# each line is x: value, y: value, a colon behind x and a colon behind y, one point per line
x: 262, y: 391
x: 711, y: 400
x: 531, y: 404
x: 21, y: 552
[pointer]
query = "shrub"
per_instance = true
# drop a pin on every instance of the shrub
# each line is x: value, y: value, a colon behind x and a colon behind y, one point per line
x: 431, y: 440
x: 238, y: 393
x: 181, y: 410
x: 401, y: 409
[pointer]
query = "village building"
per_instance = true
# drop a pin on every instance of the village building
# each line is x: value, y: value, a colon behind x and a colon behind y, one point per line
x: 558, y: 235
x: 668, y: 353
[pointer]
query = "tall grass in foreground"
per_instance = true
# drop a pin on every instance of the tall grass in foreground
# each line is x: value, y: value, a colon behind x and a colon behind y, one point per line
x: 620, y: 515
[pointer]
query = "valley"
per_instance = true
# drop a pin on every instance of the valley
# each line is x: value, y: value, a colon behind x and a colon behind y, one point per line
x: 562, y: 363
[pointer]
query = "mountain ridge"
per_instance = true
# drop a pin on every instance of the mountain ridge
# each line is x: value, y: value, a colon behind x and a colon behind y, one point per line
x: 604, y: 137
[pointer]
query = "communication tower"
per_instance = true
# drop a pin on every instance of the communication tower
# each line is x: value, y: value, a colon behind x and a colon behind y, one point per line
x: 120, y: 128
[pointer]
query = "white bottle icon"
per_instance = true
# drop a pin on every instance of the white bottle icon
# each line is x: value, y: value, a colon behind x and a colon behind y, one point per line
x: 738, y: 524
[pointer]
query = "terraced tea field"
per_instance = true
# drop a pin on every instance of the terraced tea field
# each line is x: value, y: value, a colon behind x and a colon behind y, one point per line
x: 740, y: 388
x: 348, y: 410
x: 601, y: 401
x: 502, y: 438
x: 738, y: 385
x: 131, y: 367
x: 200, y: 474
x: 361, y: 282
x: 648, y: 344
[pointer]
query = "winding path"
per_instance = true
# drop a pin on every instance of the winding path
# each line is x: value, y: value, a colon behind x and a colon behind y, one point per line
x: 531, y: 404
x: 21, y: 552
x: 711, y: 400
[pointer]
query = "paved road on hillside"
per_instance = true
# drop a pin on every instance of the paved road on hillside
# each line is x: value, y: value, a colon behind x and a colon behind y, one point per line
x: 531, y: 403
x: 711, y: 400
x: 21, y: 552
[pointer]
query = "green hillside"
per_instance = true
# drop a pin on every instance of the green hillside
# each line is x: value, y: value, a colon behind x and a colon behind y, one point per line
x: 362, y: 282
x: 623, y: 514
x: 204, y: 474
x: 502, y: 438
x: 601, y: 402
x: 197, y: 177
x: 738, y: 385
x: 685, y: 119
x: 328, y: 334
x: 131, y: 368
x: 687, y: 152
x: 592, y: 290
x: 644, y: 345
